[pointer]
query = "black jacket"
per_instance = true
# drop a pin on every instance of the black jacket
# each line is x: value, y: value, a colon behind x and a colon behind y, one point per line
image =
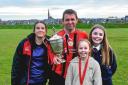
x: 107, y: 71
x: 22, y: 62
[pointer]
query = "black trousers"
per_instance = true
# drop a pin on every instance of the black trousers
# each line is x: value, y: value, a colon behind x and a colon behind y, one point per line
x: 43, y: 83
x: 56, y: 79
x: 107, y: 82
x: 37, y: 84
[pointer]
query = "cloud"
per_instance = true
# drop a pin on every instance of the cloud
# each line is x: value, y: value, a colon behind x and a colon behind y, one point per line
x: 22, y: 11
x: 36, y: 1
x: 105, y: 11
x: 84, y: 9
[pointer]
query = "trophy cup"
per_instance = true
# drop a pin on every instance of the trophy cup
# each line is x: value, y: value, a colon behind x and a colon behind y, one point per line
x: 56, y: 42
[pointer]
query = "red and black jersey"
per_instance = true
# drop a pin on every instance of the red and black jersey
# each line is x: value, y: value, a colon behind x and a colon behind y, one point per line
x: 69, y: 51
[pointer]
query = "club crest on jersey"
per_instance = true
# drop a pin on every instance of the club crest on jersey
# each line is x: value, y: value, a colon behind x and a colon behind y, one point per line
x: 70, y: 43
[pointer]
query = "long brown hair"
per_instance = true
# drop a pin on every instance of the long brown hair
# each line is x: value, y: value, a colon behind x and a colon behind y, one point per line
x: 105, y: 49
x: 39, y: 22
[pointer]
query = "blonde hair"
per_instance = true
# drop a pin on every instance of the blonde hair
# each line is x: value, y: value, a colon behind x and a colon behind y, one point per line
x: 84, y: 40
x: 105, y: 49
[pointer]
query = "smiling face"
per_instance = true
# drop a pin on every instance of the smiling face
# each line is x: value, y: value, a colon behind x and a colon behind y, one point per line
x: 83, y: 49
x: 40, y: 30
x: 97, y: 36
x: 70, y: 22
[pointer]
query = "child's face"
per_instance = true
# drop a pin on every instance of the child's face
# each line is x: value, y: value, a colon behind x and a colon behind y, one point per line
x: 83, y: 49
x: 97, y: 36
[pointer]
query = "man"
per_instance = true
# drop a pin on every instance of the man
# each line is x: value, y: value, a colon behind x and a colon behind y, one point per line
x: 30, y: 62
x: 71, y: 35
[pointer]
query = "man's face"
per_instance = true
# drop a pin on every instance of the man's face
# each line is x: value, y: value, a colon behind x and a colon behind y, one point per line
x: 70, y: 21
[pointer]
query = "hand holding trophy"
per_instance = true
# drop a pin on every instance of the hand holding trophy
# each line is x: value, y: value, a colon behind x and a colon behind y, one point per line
x: 56, y: 42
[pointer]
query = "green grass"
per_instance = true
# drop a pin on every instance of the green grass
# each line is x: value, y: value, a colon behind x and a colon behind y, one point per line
x: 9, y: 39
x: 58, y: 26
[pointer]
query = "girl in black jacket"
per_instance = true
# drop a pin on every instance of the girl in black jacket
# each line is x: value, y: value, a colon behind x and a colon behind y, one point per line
x: 103, y: 53
x: 30, y: 62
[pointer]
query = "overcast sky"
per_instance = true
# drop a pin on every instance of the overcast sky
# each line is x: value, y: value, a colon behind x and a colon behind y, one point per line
x: 37, y: 9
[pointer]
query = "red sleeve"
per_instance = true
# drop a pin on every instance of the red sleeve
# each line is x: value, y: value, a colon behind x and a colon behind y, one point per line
x: 82, y: 35
x: 85, y: 34
x: 50, y: 54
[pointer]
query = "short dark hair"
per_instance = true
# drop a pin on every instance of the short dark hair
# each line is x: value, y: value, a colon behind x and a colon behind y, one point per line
x: 39, y: 21
x: 70, y: 11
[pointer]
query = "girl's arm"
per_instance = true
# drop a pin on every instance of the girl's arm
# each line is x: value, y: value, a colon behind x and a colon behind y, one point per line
x: 113, y: 61
x: 69, y: 76
x: 97, y: 74
x: 16, y: 71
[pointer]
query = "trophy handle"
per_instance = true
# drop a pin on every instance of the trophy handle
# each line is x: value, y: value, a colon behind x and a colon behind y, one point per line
x: 53, y: 28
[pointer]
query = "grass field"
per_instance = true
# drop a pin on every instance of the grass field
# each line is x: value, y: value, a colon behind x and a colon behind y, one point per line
x: 9, y: 38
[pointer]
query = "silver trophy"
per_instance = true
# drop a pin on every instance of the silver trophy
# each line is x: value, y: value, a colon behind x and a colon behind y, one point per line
x: 56, y: 42
x: 57, y: 45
